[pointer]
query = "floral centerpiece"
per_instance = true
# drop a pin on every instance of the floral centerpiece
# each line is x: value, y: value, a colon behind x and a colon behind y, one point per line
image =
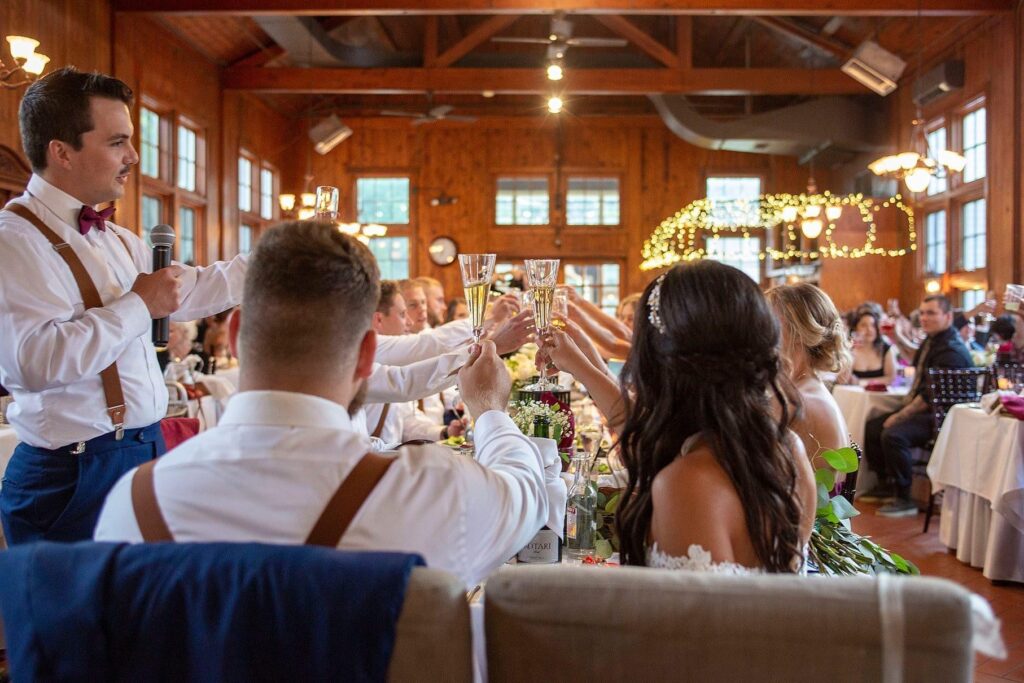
x: 525, y: 415
x: 522, y: 365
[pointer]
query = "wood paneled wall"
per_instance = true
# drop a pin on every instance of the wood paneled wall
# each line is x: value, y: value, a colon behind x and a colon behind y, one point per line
x: 659, y: 173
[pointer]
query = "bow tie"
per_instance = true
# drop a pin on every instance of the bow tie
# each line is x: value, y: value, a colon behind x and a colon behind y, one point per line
x: 89, y: 217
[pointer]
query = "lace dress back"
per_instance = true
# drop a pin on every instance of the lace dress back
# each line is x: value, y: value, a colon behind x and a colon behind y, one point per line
x: 697, y: 558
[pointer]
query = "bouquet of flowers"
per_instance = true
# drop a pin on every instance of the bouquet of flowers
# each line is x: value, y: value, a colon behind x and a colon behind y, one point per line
x: 525, y: 414
x: 521, y: 365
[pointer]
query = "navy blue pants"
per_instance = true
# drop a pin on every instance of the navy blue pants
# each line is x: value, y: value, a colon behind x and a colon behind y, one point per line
x: 55, y: 495
x: 890, y: 451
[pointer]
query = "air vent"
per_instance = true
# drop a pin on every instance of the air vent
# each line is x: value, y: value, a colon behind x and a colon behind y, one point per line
x: 875, y: 67
x: 943, y: 79
x: 328, y: 134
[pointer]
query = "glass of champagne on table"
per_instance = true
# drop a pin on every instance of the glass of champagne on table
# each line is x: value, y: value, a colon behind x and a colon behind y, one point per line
x: 542, y: 276
x: 477, y: 271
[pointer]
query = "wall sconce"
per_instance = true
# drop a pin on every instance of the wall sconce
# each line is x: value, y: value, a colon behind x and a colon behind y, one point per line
x: 444, y: 199
x: 933, y: 286
x: 27, y: 62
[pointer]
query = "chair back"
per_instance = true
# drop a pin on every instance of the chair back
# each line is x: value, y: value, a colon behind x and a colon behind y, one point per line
x: 637, y: 624
x: 950, y: 386
x: 433, y: 641
x: 847, y: 488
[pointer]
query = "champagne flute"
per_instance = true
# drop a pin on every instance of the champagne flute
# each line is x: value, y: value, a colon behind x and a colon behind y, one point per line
x: 542, y: 275
x: 326, y: 207
x: 477, y: 271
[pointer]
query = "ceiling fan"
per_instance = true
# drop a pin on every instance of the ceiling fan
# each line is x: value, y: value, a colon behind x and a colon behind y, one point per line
x: 438, y: 113
x: 560, y: 38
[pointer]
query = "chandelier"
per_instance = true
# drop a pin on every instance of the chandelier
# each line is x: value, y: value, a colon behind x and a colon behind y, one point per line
x: 681, y: 236
x: 27, y: 62
x: 917, y: 170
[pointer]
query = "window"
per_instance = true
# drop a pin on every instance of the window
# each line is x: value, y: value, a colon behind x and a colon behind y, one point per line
x: 267, y: 183
x: 152, y: 214
x: 970, y: 298
x: 935, y: 243
x: 592, y: 201
x: 187, y: 158
x: 392, y: 255
x: 739, y: 252
x: 149, y: 152
x: 382, y: 200
x: 522, y: 201
x: 244, y: 184
x: 936, y: 144
x: 244, y: 238
x: 597, y: 283
x: 974, y: 139
x: 972, y: 235
x: 735, y: 200
x: 187, y: 235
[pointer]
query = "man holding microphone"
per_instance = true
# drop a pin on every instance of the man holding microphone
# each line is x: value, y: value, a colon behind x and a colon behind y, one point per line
x: 77, y: 301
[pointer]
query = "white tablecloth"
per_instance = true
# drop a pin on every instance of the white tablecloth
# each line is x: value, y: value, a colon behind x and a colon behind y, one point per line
x: 207, y: 409
x: 978, y: 459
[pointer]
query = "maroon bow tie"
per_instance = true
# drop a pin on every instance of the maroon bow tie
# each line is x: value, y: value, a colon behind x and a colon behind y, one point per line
x: 89, y: 217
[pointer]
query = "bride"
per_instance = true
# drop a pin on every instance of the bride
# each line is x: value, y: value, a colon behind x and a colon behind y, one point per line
x: 717, y: 482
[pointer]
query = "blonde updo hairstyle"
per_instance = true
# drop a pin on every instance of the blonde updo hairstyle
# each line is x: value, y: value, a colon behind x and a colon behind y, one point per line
x: 810, y: 320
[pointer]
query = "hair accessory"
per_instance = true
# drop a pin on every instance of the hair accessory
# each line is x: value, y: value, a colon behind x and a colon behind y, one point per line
x: 654, y: 305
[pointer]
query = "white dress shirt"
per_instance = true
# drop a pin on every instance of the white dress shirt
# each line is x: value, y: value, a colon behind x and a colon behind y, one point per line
x: 404, y: 422
x: 52, y: 350
x: 404, y: 349
x: 392, y: 384
x: 267, y: 470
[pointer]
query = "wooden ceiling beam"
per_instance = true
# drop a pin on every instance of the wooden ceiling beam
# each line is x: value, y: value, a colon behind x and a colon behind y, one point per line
x: 805, y: 36
x: 684, y: 41
x: 430, y: 31
x: 260, y: 57
x: 475, y: 38
x: 631, y: 32
x: 533, y: 81
x: 518, y: 7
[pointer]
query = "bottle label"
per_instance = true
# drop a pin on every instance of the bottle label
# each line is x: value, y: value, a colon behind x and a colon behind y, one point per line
x: 543, y: 549
x: 570, y: 522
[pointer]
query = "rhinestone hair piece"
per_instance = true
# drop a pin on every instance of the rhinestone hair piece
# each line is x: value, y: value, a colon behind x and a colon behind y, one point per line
x: 654, y: 305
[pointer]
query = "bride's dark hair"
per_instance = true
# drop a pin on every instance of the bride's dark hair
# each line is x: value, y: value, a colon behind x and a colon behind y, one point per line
x: 714, y: 370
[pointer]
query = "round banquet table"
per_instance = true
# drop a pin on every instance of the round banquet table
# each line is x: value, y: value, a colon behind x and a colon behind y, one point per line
x: 858, y: 406
x: 978, y: 460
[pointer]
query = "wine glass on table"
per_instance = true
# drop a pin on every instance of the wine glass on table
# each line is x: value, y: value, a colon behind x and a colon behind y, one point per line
x: 542, y: 275
x: 477, y: 271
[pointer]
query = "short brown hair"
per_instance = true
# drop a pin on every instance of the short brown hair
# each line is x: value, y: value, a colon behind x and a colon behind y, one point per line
x: 944, y: 303
x: 388, y: 292
x: 310, y: 291
x: 56, y: 107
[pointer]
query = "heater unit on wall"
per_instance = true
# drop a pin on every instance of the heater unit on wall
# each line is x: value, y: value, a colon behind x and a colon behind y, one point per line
x: 874, y: 66
x: 328, y: 134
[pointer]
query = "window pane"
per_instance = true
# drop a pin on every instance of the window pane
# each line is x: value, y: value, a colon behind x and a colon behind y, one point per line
x: 522, y: 201
x: 245, y: 184
x: 592, y: 201
x: 739, y: 252
x: 971, y: 298
x: 597, y: 283
x: 152, y: 214
x: 935, y: 243
x: 972, y: 244
x: 382, y: 200
x: 392, y: 255
x: 186, y: 159
x: 244, y: 239
x: 266, y: 193
x: 974, y: 136
x: 187, y: 235
x: 734, y: 201
x: 149, y: 162
x: 937, y: 143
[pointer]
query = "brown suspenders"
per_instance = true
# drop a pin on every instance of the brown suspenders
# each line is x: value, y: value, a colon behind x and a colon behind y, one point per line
x: 91, y: 299
x: 379, y: 429
x: 328, y: 530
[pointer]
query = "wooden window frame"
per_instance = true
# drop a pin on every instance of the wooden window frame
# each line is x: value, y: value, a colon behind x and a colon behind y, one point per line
x: 563, y: 191
x: 556, y: 214
x: 591, y: 261
x: 394, y: 229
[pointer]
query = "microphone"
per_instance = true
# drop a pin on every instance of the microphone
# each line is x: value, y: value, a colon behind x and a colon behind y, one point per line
x: 162, y: 238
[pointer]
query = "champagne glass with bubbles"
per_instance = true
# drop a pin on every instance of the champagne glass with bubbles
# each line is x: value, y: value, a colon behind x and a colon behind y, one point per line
x: 542, y: 275
x: 477, y: 271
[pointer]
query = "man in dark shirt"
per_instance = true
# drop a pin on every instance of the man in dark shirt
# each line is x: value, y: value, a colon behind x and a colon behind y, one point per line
x: 889, y: 439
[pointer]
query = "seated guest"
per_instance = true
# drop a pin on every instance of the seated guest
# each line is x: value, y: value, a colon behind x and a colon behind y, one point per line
x: 1007, y: 336
x: 626, y: 310
x: 456, y: 310
x: 717, y: 482
x: 888, y: 439
x: 873, y: 357
x: 179, y: 343
x: 813, y: 341
x: 436, y: 303
x: 285, y: 443
x: 415, y: 305
x: 965, y: 327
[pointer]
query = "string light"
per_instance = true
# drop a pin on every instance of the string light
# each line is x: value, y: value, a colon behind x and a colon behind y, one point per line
x: 677, y: 238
